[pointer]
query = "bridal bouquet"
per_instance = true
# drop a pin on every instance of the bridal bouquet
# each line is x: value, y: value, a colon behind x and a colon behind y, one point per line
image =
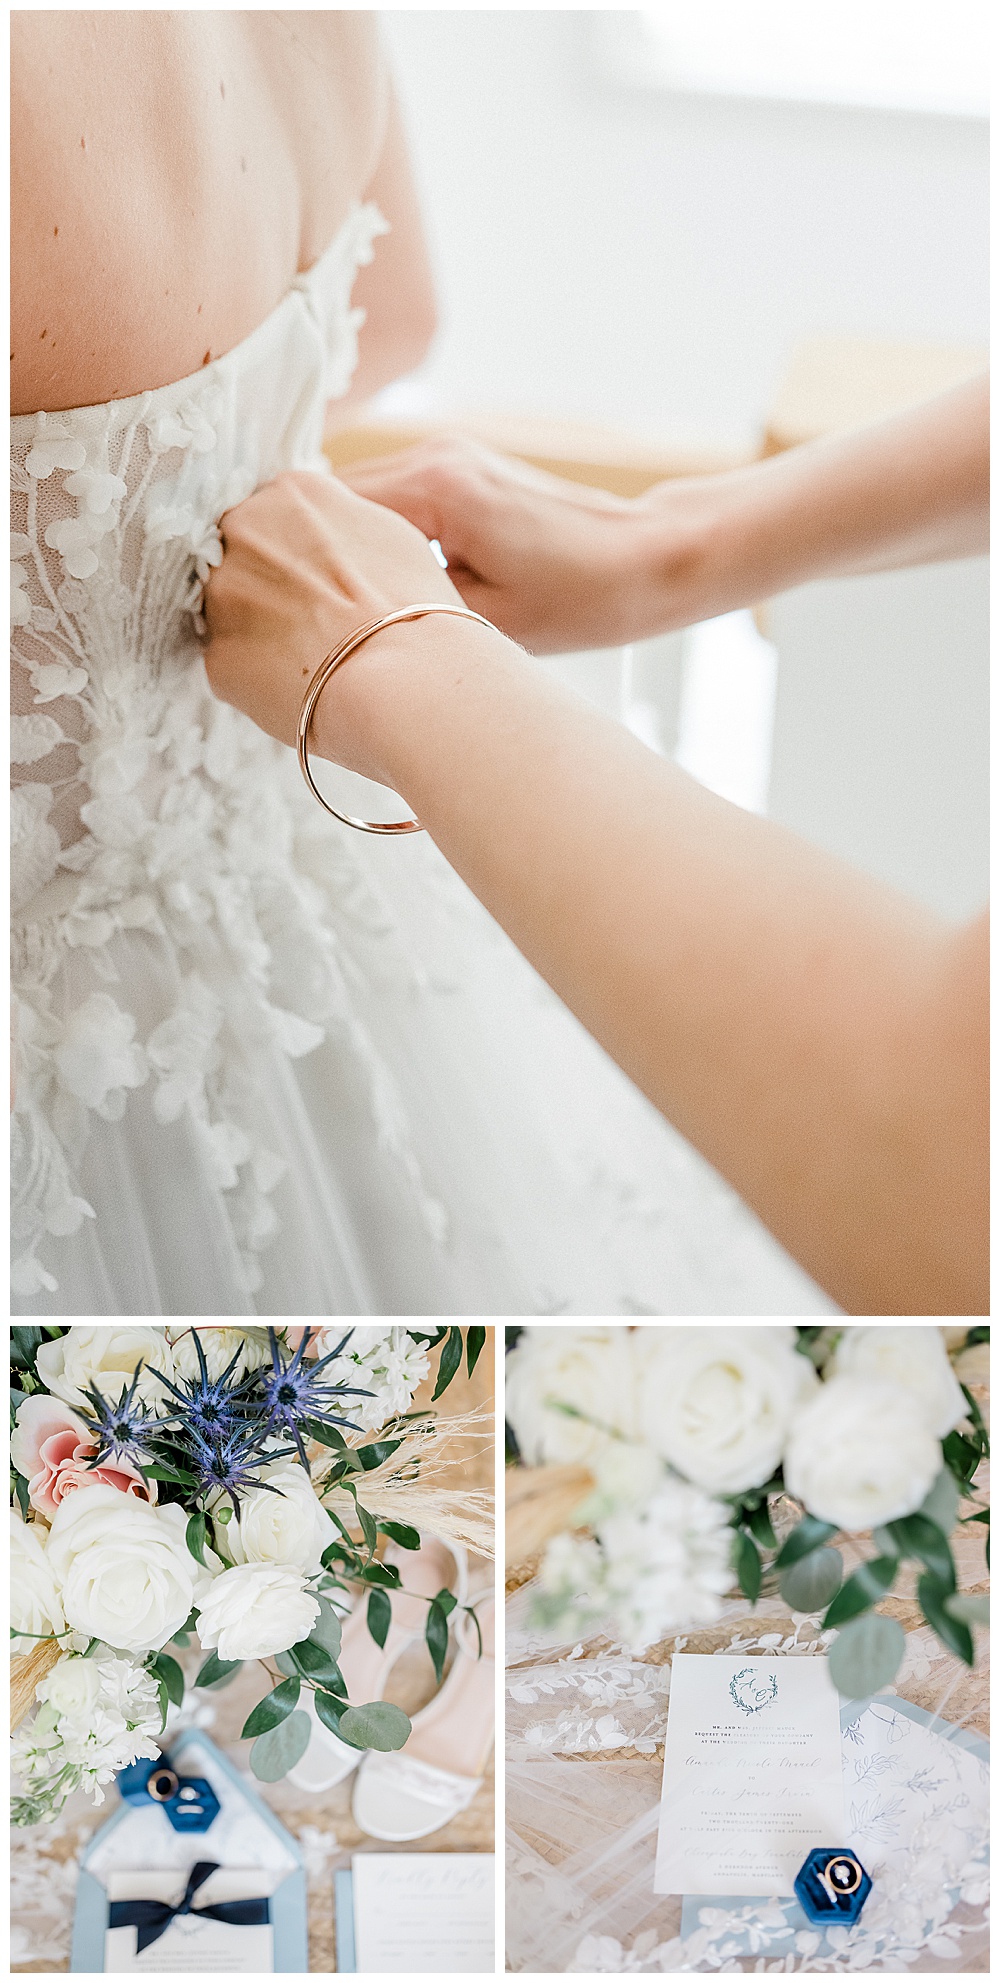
x: 700, y: 1440
x: 228, y: 1484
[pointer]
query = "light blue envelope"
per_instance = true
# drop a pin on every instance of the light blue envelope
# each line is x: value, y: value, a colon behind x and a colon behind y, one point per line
x: 795, y: 1919
x: 288, y: 1902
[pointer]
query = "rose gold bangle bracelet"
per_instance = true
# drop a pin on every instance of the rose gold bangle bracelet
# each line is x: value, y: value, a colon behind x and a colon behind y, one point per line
x: 318, y: 684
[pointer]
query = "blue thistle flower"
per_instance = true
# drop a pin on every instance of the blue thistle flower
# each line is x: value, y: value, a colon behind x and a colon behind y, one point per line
x: 120, y: 1430
x: 229, y: 1461
x: 293, y: 1393
x: 212, y: 1406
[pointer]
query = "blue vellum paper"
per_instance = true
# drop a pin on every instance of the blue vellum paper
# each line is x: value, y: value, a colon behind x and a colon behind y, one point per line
x: 343, y: 1888
x: 778, y: 1938
x: 288, y: 1902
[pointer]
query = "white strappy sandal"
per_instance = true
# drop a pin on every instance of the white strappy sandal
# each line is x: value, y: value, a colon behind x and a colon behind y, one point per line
x: 418, y: 1789
x: 437, y: 1565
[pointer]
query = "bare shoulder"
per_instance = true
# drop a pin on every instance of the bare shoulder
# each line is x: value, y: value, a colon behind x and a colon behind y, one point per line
x: 172, y: 171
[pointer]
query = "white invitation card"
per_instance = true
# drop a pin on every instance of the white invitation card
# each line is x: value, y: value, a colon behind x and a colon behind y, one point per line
x: 424, y: 1913
x: 189, y: 1945
x: 752, y: 1774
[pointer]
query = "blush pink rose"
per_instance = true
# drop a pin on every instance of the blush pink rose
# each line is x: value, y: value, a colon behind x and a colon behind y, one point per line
x: 51, y: 1446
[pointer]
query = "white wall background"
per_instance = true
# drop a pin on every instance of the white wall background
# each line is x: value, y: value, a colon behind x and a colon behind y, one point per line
x: 650, y: 258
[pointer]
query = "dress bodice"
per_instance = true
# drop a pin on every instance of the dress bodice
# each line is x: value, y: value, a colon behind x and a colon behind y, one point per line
x: 139, y: 802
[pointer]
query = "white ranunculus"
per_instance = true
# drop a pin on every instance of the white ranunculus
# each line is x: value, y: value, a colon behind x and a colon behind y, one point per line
x: 220, y: 1345
x: 289, y: 1527
x: 256, y: 1609
x: 914, y: 1358
x: 71, y: 1687
x: 106, y: 1358
x: 35, y: 1604
x: 591, y: 1369
x: 126, y: 1572
x: 718, y: 1403
x: 861, y: 1453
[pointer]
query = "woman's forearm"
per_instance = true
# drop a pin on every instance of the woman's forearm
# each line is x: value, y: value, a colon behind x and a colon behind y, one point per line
x: 812, y: 1033
x: 910, y: 490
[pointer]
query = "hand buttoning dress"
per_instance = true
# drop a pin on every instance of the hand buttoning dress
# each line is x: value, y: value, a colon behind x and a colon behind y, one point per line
x: 265, y: 1065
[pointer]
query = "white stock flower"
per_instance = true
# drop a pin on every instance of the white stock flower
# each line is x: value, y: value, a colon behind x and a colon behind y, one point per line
x: 861, y: 1453
x: 717, y: 1403
x: 590, y: 1369
x: 651, y: 1570
x: 380, y: 1359
x: 914, y: 1358
x: 106, y: 1358
x: 289, y: 1527
x: 35, y: 1603
x: 96, y: 1715
x: 626, y: 1474
x: 127, y: 1574
x: 220, y: 1345
x: 256, y: 1609
x: 667, y: 1565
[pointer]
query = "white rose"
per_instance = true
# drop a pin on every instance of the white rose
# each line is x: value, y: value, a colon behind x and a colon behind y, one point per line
x: 127, y: 1574
x: 289, y: 1527
x: 107, y: 1359
x: 590, y: 1369
x: 72, y: 1686
x: 914, y: 1358
x: 861, y: 1453
x: 718, y: 1403
x: 35, y: 1604
x: 220, y: 1346
x: 256, y: 1609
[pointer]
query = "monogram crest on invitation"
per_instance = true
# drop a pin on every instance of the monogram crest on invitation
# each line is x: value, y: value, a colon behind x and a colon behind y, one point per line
x: 750, y: 1692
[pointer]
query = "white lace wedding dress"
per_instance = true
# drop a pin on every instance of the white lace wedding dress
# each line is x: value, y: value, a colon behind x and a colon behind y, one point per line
x: 266, y: 1065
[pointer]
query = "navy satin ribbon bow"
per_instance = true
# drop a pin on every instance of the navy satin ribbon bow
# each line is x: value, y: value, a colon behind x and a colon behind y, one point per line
x: 149, y: 1918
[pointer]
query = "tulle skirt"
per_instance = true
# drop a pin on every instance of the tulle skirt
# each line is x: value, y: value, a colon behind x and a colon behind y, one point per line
x: 456, y: 1145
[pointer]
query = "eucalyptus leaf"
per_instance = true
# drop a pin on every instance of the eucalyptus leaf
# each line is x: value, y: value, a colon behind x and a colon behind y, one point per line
x: 941, y: 1505
x: 273, y: 1709
x: 809, y: 1534
x: 866, y: 1655
x: 972, y: 1607
x: 327, y: 1629
x: 279, y: 1749
x: 809, y: 1584
x: 375, y: 1725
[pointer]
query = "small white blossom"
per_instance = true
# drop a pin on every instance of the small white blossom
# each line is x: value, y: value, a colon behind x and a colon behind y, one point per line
x: 385, y: 1362
x: 96, y: 1715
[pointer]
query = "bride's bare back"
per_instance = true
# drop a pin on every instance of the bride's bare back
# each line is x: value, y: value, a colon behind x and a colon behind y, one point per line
x: 173, y: 171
